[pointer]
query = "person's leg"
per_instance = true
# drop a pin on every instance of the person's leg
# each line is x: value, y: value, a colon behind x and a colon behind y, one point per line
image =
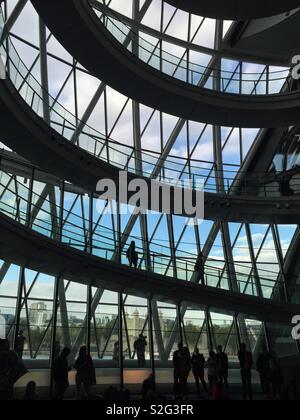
x: 211, y: 383
x: 203, y: 382
x: 86, y: 388
x: 220, y: 378
x: 186, y: 385
x: 196, y: 376
x: 275, y: 390
x: 181, y: 384
x: 263, y: 384
x: 60, y: 391
x: 176, y: 381
x: 183, y: 381
x: 249, y: 382
x: 244, y: 384
x: 225, y: 380
x: 78, y: 387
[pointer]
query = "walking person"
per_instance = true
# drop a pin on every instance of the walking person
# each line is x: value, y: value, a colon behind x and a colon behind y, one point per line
x: 264, y: 370
x: 140, y: 347
x: 85, y: 376
x: 132, y: 255
x: 198, y: 366
x: 222, y: 367
x: 61, y: 371
x: 246, y: 364
x: 200, y: 269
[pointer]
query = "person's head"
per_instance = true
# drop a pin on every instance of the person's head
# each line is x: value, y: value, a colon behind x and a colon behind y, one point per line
x: 180, y: 346
x: 21, y: 332
x: 132, y: 244
x: 220, y: 349
x: 83, y: 351
x: 31, y: 388
x: 116, y: 344
x: 243, y: 347
x: 65, y: 353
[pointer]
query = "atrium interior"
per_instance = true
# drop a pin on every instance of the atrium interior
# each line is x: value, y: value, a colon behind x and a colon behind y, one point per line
x: 191, y: 101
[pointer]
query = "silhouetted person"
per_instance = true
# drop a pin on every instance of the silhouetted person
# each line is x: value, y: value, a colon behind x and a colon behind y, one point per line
x: 182, y: 367
x: 30, y: 393
x: 276, y: 375
x: 20, y: 344
x: 222, y: 367
x: 185, y: 372
x: 132, y: 255
x: 198, y: 365
x: 61, y: 371
x: 85, y: 376
x: 177, y: 361
x: 211, y: 366
x: 148, y: 387
x: 140, y: 347
x: 6, y: 362
x: 116, y: 352
x: 199, y: 269
x: 11, y: 369
x: 246, y: 364
x: 264, y: 370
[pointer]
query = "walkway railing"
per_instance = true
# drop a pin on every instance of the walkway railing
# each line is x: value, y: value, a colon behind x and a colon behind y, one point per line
x: 231, y: 76
x: 24, y: 203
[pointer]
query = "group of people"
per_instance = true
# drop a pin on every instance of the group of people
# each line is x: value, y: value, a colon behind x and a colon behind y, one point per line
x: 139, y: 345
x: 216, y: 365
x: 85, y: 374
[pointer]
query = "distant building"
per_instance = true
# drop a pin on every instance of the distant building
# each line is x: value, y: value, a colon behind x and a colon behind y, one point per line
x: 38, y: 314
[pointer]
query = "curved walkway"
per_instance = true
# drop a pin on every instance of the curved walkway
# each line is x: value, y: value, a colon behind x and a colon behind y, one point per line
x: 235, y: 9
x: 138, y: 79
x: 28, y: 246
